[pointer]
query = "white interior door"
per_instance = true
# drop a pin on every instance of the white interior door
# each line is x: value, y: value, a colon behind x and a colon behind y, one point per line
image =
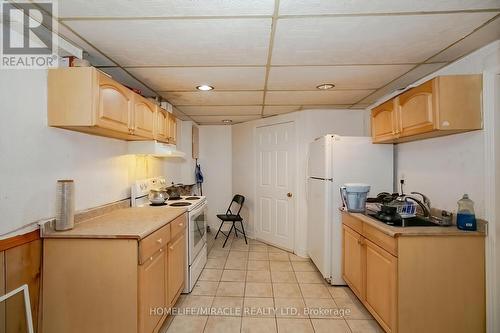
x: 275, y: 200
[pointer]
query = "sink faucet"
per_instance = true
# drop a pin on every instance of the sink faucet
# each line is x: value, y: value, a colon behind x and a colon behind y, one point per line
x: 425, y: 204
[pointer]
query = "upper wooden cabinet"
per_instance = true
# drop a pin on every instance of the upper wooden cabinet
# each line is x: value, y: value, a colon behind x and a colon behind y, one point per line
x: 172, y: 128
x: 384, y: 122
x: 144, y: 117
x: 442, y: 106
x: 162, y: 125
x: 87, y: 100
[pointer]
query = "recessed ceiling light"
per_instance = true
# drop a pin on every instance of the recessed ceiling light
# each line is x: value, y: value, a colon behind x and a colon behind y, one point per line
x: 325, y: 86
x: 227, y: 121
x: 205, y: 87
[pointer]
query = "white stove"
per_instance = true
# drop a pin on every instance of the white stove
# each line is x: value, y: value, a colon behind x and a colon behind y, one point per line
x: 196, y: 242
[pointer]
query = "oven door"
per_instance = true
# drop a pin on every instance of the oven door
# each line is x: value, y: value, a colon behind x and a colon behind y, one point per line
x: 197, y: 231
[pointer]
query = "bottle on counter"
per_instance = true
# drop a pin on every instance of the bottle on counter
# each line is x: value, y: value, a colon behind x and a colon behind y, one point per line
x: 466, y: 219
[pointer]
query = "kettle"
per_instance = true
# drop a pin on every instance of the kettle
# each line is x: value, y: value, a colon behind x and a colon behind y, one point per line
x: 354, y: 196
x: 158, y: 196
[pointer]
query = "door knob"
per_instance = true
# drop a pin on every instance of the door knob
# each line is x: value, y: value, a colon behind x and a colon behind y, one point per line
x: 289, y: 194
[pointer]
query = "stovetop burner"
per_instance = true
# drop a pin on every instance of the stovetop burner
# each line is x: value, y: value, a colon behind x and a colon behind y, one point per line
x: 180, y: 204
x: 174, y: 198
x: 156, y: 205
x: 192, y: 198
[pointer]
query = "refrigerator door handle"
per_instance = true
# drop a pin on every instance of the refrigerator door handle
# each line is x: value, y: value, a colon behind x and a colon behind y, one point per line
x: 319, y: 178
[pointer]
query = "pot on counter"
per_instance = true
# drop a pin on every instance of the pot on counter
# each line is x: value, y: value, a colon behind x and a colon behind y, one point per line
x: 158, y: 196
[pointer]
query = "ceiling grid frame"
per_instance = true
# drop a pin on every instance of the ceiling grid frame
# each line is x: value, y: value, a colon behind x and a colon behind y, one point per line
x: 275, y: 17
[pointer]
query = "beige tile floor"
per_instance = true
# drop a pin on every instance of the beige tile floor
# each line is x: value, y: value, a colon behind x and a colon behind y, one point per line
x: 258, y: 288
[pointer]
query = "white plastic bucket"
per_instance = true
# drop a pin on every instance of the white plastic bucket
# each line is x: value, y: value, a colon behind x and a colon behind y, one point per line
x: 354, y: 196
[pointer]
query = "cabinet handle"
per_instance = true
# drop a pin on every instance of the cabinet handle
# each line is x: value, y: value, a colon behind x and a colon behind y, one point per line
x: 151, y: 258
x: 181, y: 224
x: 361, y: 241
x: 159, y: 241
x: 161, y: 250
x: 171, y: 247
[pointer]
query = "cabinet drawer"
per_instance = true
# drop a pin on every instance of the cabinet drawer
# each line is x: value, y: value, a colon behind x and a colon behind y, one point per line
x: 352, y: 222
x: 178, y: 225
x: 149, y: 245
x: 388, y: 243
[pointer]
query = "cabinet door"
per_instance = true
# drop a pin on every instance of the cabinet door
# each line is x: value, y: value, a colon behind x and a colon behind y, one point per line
x: 151, y: 291
x: 172, y: 128
x: 196, y: 142
x: 161, y: 133
x: 144, y: 117
x: 114, y: 105
x: 381, y: 285
x: 353, y: 260
x: 384, y: 122
x: 416, y: 110
x: 176, y: 262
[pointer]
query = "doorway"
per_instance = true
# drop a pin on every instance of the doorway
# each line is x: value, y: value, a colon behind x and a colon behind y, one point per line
x: 275, y: 184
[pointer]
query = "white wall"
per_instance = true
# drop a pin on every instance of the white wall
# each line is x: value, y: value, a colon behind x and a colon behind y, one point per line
x: 445, y: 168
x: 215, y: 159
x: 34, y: 156
x: 310, y: 124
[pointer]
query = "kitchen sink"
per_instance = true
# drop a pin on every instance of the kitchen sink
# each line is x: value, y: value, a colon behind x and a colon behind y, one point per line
x: 416, y: 221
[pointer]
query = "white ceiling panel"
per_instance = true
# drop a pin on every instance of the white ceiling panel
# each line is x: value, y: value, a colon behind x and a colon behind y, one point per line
x: 369, y: 40
x: 95, y: 57
x: 188, y: 78
x: 403, y: 82
x: 217, y: 120
x: 308, y: 7
x: 179, y: 42
x: 222, y: 110
x: 280, y: 109
x: 315, y: 97
x: 179, y: 114
x: 479, y: 38
x: 163, y: 8
x: 125, y: 78
x: 214, y: 97
x: 344, y: 77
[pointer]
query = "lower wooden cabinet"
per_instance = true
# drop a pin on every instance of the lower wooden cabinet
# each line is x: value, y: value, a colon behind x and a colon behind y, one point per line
x: 113, y: 285
x: 353, y: 261
x: 416, y: 283
x: 175, y: 277
x: 381, y: 286
x: 152, y: 286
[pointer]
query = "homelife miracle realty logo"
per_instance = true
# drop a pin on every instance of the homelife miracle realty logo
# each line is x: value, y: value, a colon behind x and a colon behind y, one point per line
x: 29, y: 36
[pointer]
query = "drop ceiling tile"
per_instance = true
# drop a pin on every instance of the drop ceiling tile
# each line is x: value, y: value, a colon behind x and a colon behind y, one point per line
x: 315, y: 97
x: 184, y: 42
x: 125, y: 78
x: 308, y: 7
x: 385, y: 39
x: 344, y: 77
x: 187, y: 78
x: 221, y: 110
x: 476, y: 40
x: 280, y: 109
x: 162, y: 8
x: 217, y: 120
x: 402, y: 82
x: 214, y: 97
x: 93, y: 55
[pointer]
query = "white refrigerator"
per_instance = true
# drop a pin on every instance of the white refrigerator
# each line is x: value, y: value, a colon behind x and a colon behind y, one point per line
x: 333, y: 161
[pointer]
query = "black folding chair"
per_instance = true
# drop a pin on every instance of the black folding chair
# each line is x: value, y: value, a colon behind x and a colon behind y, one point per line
x: 233, y: 218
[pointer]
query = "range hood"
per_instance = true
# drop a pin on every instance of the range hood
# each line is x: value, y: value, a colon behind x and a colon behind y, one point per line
x: 154, y: 148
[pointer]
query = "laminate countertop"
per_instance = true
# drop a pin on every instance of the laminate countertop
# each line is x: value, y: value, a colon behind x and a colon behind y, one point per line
x: 132, y: 223
x: 420, y: 231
